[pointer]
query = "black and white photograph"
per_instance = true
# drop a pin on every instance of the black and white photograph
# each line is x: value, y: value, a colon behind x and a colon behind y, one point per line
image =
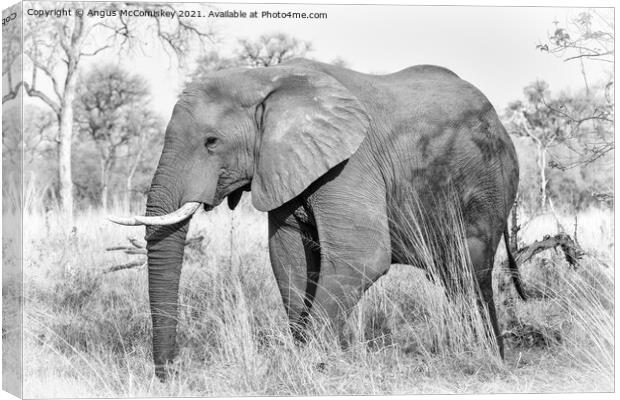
x: 307, y: 199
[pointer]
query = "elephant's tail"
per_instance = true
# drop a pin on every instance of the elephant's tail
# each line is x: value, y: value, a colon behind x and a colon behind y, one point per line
x: 514, y: 270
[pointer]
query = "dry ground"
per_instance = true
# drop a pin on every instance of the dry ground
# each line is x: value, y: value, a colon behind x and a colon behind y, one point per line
x: 88, y: 333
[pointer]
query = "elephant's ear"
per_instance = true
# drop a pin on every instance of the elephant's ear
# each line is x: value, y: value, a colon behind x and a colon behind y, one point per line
x: 308, y: 123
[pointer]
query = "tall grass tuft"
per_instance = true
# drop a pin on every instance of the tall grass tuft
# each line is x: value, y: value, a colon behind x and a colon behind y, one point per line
x: 573, y: 316
x: 588, y: 303
x: 434, y: 241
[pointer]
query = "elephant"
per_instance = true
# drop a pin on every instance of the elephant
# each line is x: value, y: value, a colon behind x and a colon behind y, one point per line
x: 323, y: 149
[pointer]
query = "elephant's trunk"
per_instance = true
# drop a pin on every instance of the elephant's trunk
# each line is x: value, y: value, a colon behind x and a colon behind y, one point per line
x: 165, y: 247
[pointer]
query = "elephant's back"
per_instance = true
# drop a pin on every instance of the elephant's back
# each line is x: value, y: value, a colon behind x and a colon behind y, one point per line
x: 445, y: 134
x: 422, y: 71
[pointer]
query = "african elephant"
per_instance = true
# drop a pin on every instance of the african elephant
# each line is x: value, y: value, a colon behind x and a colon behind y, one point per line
x: 322, y: 149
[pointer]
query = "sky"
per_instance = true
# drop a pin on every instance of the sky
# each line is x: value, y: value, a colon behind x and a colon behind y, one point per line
x: 492, y: 47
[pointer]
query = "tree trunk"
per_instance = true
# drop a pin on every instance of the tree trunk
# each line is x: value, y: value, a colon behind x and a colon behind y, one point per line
x: 104, y: 197
x: 132, y: 171
x: 128, y: 185
x: 65, y: 133
x: 65, y: 130
x: 105, y: 177
x: 542, y: 158
x: 514, y: 230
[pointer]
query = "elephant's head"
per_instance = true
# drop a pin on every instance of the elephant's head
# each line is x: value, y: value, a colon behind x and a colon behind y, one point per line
x: 272, y: 130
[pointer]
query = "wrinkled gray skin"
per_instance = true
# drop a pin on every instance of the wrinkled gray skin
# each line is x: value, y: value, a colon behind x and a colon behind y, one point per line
x: 322, y: 149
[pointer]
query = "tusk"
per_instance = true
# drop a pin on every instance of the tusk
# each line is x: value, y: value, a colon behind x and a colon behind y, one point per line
x: 186, y: 211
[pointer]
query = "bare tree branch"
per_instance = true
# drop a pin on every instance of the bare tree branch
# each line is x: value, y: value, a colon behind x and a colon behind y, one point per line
x: 13, y: 92
x: 95, y: 52
x: 33, y: 92
x: 593, y: 56
x: 50, y: 75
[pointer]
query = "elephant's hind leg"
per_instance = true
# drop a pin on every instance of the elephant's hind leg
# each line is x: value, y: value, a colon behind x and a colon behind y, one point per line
x: 481, y: 256
x: 295, y: 259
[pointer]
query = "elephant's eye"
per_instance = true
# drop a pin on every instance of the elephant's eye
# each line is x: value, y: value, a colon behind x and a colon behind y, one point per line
x: 210, y: 142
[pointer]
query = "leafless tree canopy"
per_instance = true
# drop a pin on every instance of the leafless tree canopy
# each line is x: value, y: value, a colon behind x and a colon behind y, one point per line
x: 112, y: 111
x: 265, y: 51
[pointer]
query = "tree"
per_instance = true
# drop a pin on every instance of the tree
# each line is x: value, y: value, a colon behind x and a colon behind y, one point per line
x: 213, y: 61
x: 112, y: 111
x: 565, y: 136
x: 340, y: 62
x: 535, y: 120
x: 587, y: 39
x: 147, y: 131
x: 265, y: 51
x: 571, y: 130
x: 273, y: 49
x: 55, y: 48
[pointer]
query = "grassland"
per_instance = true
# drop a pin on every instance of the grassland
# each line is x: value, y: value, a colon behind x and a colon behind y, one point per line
x: 88, y: 333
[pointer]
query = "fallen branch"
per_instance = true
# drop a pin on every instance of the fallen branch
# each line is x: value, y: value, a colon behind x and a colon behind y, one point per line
x: 194, y: 240
x: 117, y: 248
x: 572, y: 251
x: 121, y: 267
x: 138, y: 247
x: 141, y: 244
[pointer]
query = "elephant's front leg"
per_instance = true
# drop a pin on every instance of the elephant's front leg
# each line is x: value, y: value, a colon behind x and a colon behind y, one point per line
x: 355, y: 252
x: 295, y: 259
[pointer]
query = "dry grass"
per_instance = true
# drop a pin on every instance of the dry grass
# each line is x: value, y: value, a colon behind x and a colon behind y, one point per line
x: 88, y: 334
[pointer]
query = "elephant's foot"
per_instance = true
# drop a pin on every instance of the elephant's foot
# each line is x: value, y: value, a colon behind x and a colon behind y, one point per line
x: 166, y: 372
x: 300, y: 336
x: 299, y: 329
